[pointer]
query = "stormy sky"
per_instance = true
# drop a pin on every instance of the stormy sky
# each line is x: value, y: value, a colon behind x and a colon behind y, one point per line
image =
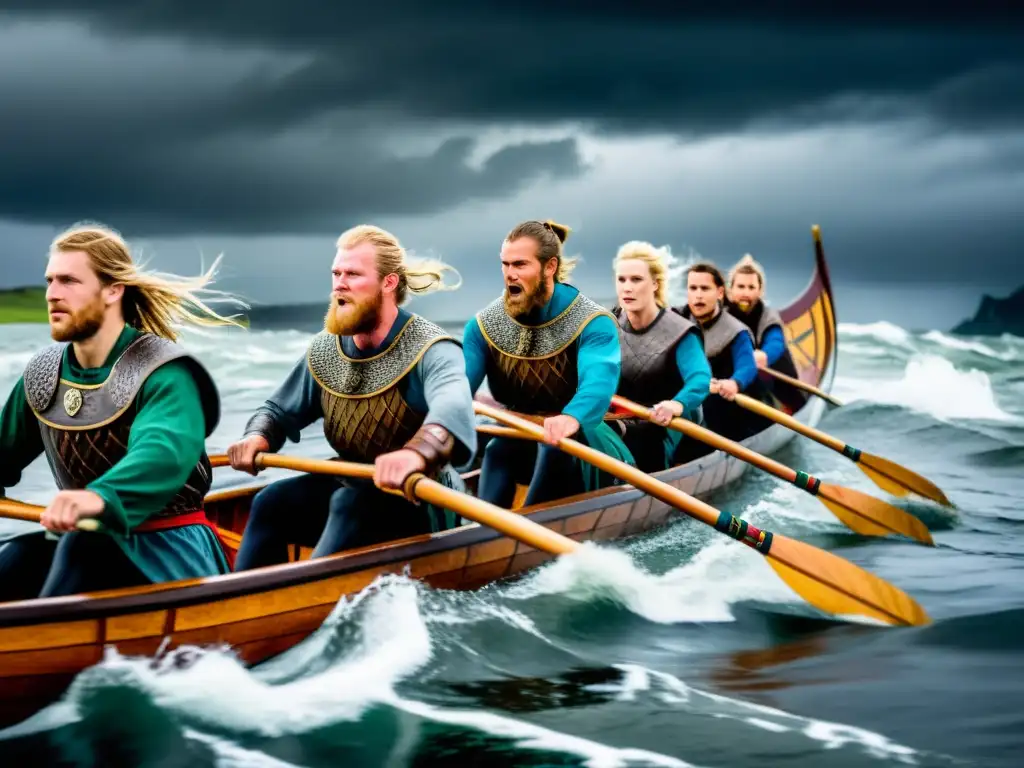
x: 262, y: 129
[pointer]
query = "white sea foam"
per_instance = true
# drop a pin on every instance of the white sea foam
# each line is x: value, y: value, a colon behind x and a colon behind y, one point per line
x: 316, y: 684
x: 969, y: 345
x: 702, y: 590
x: 881, y: 331
x: 638, y: 680
x: 932, y: 385
x: 530, y: 736
x: 380, y: 637
x: 229, y: 755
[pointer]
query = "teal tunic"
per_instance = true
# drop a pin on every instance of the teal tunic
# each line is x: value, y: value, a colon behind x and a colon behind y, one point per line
x: 598, y: 362
x: 165, y: 443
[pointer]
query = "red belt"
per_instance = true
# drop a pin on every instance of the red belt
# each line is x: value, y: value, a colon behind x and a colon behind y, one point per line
x: 189, y: 518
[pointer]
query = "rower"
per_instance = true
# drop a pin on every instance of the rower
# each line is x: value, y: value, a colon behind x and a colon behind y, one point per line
x: 390, y: 388
x: 663, y: 362
x: 122, y: 413
x: 746, y: 303
x: 728, y: 345
x: 549, y: 352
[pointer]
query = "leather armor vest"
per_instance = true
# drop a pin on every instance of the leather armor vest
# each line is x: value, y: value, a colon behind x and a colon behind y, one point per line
x: 759, y: 320
x: 718, y: 335
x: 85, y: 429
x: 649, y: 371
x: 532, y: 368
x: 365, y: 414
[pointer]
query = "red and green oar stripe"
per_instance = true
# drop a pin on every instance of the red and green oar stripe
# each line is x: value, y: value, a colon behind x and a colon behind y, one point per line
x: 888, y: 475
x: 861, y: 513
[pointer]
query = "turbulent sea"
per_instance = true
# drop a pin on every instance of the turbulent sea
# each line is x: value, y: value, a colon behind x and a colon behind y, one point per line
x: 677, y: 648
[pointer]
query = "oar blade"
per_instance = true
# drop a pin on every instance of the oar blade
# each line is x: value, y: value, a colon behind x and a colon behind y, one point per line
x: 898, y: 480
x: 837, y: 586
x: 869, y: 516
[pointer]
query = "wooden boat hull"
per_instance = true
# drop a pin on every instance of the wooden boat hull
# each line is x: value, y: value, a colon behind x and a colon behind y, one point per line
x: 44, y: 643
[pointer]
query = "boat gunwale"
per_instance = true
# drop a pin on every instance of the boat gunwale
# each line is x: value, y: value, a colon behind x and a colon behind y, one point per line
x: 184, y: 593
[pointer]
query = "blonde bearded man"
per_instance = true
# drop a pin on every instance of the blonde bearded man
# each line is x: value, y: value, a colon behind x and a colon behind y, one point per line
x: 122, y: 413
x: 390, y: 388
x: 746, y: 303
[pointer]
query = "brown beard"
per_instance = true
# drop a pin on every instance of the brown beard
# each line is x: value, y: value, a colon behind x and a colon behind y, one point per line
x: 359, y: 318
x: 526, y: 301
x: 80, y: 325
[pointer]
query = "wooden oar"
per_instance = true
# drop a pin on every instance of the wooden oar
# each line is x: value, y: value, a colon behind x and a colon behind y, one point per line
x: 887, y: 475
x: 803, y: 385
x: 824, y: 580
x: 858, y: 511
x: 512, y: 525
x: 495, y: 431
x: 33, y: 513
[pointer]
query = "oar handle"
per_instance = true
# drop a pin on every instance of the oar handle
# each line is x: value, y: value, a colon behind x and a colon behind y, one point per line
x: 785, y: 419
x: 428, y: 490
x: 802, y: 385
x: 720, y: 521
x: 33, y: 513
x: 713, y: 439
x: 495, y: 431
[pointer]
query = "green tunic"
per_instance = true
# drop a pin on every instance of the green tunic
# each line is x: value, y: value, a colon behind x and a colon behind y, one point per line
x: 165, y: 444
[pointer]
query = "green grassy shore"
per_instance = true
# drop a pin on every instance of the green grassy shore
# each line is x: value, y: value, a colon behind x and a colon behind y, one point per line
x: 23, y: 305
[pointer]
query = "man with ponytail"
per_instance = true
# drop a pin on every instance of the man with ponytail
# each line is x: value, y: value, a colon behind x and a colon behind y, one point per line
x: 746, y: 303
x: 550, y: 352
x: 122, y: 413
x: 390, y: 388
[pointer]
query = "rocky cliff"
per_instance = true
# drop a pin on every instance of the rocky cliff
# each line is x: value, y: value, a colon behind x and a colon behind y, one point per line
x: 996, y: 316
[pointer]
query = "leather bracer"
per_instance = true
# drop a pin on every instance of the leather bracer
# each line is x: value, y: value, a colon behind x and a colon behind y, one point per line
x: 435, y: 444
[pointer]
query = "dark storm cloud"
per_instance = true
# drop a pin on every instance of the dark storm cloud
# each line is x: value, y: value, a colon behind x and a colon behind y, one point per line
x: 623, y: 66
x: 259, y: 116
x: 161, y: 137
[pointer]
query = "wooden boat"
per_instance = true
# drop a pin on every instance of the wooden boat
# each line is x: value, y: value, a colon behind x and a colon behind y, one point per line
x: 44, y: 643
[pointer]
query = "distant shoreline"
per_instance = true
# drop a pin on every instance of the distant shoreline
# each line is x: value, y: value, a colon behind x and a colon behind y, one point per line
x: 28, y: 305
x: 23, y: 305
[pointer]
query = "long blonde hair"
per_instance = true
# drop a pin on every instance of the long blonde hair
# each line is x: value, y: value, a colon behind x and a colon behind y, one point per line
x: 416, y: 276
x: 549, y: 236
x: 153, y: 302
x: 658, y: 260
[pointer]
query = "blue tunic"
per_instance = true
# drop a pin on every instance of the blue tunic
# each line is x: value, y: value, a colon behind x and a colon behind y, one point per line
x: 773, y: 344
x: 744, y: 367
